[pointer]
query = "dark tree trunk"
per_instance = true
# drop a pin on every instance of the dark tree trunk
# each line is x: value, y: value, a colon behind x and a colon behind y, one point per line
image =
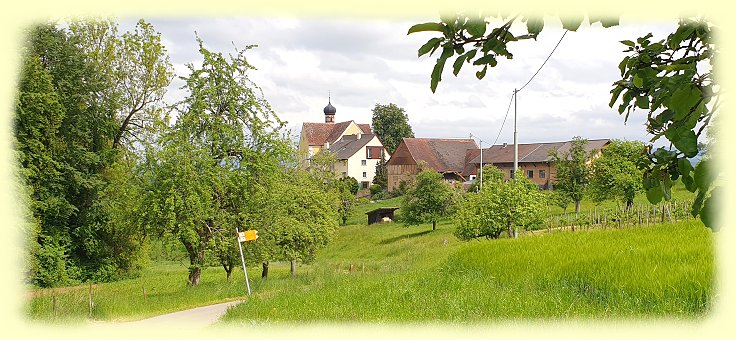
x: 508, y: 229
x: 629, y: 204
x: 228, y: 266
x: 577, y: 206
x: 196, y: 252
x: 293, y: 267
x: 194, y: 274
x: 434, y: 225
x: 264, y: 272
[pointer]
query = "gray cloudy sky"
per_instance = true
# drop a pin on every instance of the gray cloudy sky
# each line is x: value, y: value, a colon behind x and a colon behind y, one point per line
x: 363, y: 62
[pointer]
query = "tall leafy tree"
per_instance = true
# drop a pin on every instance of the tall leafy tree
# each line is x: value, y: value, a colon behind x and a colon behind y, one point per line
x: 391, y: 124
x: 499, y: 205
x: 573, y: 173
x: 76, y: 157
x: 305, y: 217
x: 427, y: 200
x: 39, y: 115
x: 137, y: 67
x: 616, y: 173
x: 672, y: 79
x: 225, y: 138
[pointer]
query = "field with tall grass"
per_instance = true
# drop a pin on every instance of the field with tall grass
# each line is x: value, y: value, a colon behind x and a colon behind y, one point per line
x: 390, y: 273
x: 648, y: 272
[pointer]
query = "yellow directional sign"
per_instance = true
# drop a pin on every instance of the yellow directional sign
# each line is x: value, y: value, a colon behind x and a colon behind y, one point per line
x: 251, y: 235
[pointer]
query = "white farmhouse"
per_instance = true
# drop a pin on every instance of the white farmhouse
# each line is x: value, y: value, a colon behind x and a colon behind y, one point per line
x: 357, y: 149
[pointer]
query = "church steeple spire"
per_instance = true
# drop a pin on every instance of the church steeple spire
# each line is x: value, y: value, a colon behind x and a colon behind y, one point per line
x: 329, y: 110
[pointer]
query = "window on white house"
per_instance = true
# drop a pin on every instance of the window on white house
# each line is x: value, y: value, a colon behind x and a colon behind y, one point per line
x: 363, y: 162
x: 373, y: 152
x: 365, y: 174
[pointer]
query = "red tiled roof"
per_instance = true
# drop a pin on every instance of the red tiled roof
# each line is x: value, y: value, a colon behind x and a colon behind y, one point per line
x: 442, y: 155
x: 365, y: 127
x: 319, y: 133
x: 531, y: 153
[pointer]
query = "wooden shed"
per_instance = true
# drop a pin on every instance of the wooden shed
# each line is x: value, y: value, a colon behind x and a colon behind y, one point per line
x: 377, y: 215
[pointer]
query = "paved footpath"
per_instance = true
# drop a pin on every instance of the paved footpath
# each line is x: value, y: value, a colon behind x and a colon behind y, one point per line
x: 199, y: 317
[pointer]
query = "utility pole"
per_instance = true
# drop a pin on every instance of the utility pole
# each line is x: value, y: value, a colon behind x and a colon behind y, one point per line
x: 480, y: 144
x: 516, y: 144
x: 516, y: 151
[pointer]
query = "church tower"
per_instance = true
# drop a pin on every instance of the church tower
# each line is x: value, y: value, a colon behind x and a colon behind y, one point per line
x: 329, y: 112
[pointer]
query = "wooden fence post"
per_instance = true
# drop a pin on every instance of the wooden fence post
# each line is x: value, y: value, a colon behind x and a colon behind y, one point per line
x: 53, y: 306
x: 91, y: 304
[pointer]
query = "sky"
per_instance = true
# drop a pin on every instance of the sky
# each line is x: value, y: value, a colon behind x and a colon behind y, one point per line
x: 363, y: 62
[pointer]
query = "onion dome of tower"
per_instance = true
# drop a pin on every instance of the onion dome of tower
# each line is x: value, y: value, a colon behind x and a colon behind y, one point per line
x: 329, y: 109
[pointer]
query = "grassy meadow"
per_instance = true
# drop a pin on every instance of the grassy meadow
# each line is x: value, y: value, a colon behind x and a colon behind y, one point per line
x: 389, y: 273
x: 646, y: 272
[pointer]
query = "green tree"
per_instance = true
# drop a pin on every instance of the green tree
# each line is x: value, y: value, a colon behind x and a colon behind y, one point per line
x: 305, y: 217
x: 381, y: 177
x: 391, y: 124
x: 499, y: 205
x: 38, y: 117
x: 573, y: 173
x: 616, y: 174
x: 225, y: 138
x: 346, y: 189
x: 72, y: 156
x: 671, y: 78
x: 427, y: 200
x: 351, y: 183
x: 62, y: 140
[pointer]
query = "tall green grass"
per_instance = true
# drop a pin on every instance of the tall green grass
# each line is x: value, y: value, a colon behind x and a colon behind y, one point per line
x: 661, y: 271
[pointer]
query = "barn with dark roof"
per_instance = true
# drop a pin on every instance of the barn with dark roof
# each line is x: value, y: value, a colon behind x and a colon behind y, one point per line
x: 446, y: 156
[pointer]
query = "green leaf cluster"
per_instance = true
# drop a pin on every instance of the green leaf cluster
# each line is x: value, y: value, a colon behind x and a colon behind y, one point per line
x: 672, y: 79
x: 474, y: 39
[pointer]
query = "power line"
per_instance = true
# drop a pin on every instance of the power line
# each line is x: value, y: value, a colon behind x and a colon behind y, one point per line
x: 504, y: 120
x: 545, y: 61
x: 527, y: 83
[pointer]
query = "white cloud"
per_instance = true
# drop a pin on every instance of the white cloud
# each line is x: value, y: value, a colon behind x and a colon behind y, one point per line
x: 364, y: 62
